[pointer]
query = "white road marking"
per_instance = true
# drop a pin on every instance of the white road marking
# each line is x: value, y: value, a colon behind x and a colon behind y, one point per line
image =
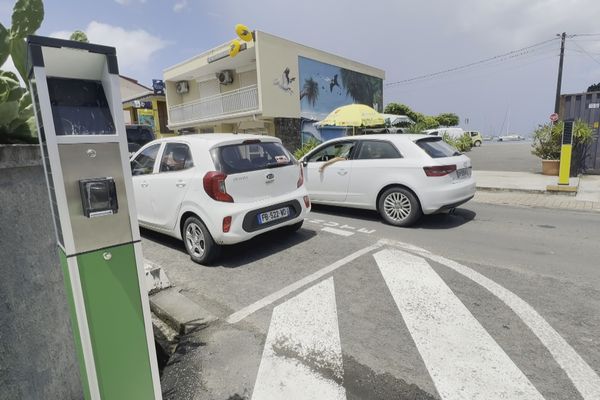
x: 337, y: 231
x: 464, y: 361
x: 302, y: 358
x: 265, y: 301
x: 581, y: 374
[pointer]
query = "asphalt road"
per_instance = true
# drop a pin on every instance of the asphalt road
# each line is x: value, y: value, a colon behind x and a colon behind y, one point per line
x: 505, y: 156
x: 492, y: 300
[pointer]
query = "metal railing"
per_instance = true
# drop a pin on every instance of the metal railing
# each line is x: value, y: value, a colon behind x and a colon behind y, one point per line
x: 236, y: 101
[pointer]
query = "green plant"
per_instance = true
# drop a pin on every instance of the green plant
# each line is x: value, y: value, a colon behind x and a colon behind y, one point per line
x: 306, y: 147
x: 17, y: 123
x: 79, y: 36
x: 546, y: 141
x: 462, y: 143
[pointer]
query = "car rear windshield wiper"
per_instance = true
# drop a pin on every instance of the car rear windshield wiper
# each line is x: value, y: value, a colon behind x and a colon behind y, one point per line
x: 457, y: 153
x: 275, y: 165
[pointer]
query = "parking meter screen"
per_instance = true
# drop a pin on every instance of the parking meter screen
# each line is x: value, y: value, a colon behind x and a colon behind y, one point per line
x: 79, y: 107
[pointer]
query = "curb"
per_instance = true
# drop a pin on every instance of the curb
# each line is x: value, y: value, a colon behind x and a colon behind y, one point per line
x: 179, y: 312
x: 491, y: 189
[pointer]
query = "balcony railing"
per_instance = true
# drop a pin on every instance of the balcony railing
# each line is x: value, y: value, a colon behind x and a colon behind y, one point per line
x: 234, y: 102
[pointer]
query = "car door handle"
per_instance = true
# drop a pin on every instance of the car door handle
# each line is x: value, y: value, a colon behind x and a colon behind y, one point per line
x: 342, y: 172
x: 180, y: 184
x: 144, y: 184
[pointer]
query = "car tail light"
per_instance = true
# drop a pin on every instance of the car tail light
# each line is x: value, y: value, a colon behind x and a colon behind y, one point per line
x: 301, y: 178
x: 214, y: 186
x: 439, y: 170
x: 307, y: 201
x: 226, y: 224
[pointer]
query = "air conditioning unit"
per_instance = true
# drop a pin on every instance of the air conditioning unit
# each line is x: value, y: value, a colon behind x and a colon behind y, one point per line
x: 182, y: 87
x: 225, y: 77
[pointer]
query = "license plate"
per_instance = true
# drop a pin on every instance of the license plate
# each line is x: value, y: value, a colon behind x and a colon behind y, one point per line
x: 274, y: 215
x: 463, y: 173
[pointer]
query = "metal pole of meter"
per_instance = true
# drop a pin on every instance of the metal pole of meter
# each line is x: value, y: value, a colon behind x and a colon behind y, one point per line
x: 77, y: 103
x: 565, y: 153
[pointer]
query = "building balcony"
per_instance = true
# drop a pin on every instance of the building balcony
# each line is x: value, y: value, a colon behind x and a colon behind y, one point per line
x: 220, y: 106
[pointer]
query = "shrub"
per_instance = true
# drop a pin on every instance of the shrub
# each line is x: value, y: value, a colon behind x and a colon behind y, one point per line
x: 306, y: 147
x: 462, y: 143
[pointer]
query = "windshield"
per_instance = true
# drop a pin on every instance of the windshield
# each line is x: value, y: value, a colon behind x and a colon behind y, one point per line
x: 435, y: 147
x: 244, y: 157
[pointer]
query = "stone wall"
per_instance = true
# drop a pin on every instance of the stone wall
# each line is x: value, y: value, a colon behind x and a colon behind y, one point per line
x: 37, y: 353
x: 289, y: 131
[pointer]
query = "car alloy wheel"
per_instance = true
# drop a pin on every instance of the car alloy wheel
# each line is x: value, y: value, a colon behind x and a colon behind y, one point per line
x: 194, y: 240
x: 397, y: 206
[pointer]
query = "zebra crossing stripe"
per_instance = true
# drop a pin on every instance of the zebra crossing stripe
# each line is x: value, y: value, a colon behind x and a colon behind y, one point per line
x: 464, y: 361
x: 302, y: 358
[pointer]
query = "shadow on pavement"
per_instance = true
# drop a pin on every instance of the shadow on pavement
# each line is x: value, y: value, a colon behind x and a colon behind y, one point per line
x: 436, y: 221
x: 240, y: 254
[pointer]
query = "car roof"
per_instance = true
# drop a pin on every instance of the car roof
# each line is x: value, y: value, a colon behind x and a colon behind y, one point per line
x: 387, y: 136
x: 216, y: 138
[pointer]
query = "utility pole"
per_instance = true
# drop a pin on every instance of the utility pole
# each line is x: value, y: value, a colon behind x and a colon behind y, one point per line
x: 563, y: 36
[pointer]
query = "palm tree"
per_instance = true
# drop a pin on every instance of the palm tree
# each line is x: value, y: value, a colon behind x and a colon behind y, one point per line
x: 362, y: 88
x: 310, y: 90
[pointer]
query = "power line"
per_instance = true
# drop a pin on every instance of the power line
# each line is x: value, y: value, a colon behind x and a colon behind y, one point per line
x: 585, y: 34
x: 586, y: 53
x: 501, y: 57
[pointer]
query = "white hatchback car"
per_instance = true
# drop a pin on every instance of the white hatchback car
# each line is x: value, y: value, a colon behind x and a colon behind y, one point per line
x: 401, y: 176
x: 215, y: 189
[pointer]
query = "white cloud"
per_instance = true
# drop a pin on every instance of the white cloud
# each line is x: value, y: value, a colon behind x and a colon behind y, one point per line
x: 180, y: 5
x: 135, y: 48
x: 520, y: 22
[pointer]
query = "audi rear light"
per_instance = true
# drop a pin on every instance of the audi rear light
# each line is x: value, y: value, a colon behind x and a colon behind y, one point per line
x: 301, y: 178
x: 214, y: 186
x: 439, y: 170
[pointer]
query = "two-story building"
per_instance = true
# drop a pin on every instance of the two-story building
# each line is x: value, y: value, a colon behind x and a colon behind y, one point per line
x: 272, y: 86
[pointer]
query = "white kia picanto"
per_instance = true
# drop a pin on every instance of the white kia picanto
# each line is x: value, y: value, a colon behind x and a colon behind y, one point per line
x: 211, y: 190
x: 402, y: 176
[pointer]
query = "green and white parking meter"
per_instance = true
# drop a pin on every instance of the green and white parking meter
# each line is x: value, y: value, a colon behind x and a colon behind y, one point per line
x: 77, y: 101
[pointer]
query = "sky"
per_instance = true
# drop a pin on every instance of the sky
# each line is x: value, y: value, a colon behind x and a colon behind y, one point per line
x: 407, y: 39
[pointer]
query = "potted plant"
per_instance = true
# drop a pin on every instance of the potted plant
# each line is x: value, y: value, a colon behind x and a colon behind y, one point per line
x: 546, y: 145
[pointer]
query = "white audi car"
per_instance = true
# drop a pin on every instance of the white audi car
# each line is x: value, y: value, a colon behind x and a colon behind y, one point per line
x: 217, y: 189
x: 401, y: 176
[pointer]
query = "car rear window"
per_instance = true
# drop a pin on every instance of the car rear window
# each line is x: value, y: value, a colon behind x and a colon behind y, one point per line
x: 437, y: 148
x: 245, y: 157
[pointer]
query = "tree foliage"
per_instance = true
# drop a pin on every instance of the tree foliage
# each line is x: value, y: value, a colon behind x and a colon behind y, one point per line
x: 594, y: 88
x: 422, y: 121
x: 17, y: 122
x: 79, y: 36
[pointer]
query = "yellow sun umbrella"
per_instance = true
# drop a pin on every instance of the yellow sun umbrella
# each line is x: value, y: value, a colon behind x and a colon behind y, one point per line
x: 353, y: 115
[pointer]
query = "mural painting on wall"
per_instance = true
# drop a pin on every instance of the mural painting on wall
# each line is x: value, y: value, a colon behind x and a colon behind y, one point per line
x: 325, y: 87
x: 285, y: 83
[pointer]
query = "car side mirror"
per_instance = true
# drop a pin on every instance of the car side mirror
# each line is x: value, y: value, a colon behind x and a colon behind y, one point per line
x: 304, y: 162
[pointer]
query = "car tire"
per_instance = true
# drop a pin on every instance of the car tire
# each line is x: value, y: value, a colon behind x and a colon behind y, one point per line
x: 477, y: 143
x: 399, y: 207
x: 198, y: 241
x: 293, y: 227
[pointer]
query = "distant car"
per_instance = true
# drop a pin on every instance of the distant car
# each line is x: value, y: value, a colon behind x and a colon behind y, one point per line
x: 508, y: 138
x: 211, y: 190
x: 476, y: 138
x: 452, y: 132
x: 137, y: 136
x: 400, y: 176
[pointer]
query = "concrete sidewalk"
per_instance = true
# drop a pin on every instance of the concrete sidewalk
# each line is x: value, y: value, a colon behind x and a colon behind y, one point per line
x: 530, y: 190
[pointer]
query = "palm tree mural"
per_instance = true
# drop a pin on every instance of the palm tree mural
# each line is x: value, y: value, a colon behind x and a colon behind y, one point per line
x: 362, y: 88
x: 310, y: 90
